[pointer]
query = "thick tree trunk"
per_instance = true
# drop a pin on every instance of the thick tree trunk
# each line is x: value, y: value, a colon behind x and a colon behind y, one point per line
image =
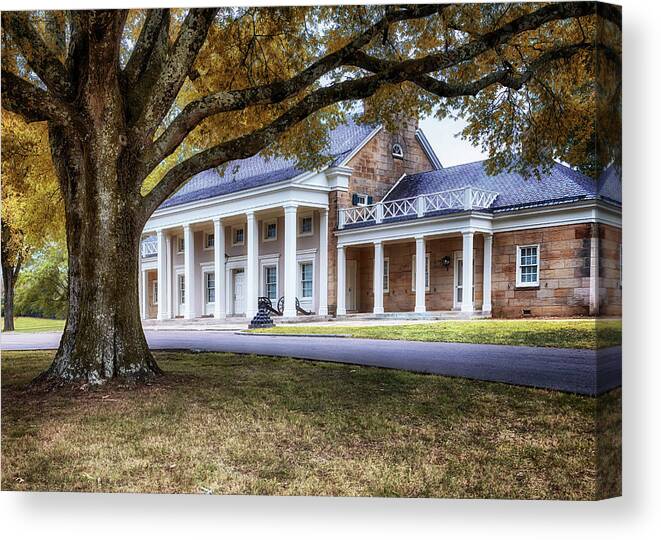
x: 103, y: 337
x: 8, y: 285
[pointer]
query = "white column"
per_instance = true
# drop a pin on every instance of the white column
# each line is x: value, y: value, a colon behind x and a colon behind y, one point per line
x: 290, y: 261
x: 594, y: 270
x: 167, y: 293
x: 142, y: 293
x: 341, y: 282
x: 323, y: 262
x: 161, y: 242
x: 252, y: 265
x: 189, y: 270
x: 420, y: 263
x: 219, y: 268
x: 378, y: 277
x: 467, y: 295
x: 486, y: 276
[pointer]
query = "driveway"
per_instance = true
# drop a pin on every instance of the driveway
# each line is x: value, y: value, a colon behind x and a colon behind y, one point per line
x: 580, y: 371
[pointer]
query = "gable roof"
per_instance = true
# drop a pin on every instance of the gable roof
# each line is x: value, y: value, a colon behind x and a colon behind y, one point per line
x: 257, y: 171
x: 560, y: 184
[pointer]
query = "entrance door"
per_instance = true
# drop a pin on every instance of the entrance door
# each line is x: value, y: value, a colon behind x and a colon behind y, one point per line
x: 239, y: 292
x: 351, y: 285
x: 459, y: 280
x: 181, y: 294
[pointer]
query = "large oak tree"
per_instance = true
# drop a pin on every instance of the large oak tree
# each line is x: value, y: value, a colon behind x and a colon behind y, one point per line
x: 136, y: 102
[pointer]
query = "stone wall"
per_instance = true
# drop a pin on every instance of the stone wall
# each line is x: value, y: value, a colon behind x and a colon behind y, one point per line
x: 610, y: 271
x: 564, y: 278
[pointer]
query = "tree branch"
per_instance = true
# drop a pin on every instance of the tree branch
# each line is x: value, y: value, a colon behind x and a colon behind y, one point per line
x: 32, y: 103
x: 276, y: 92
x: 408, y: 70
x: 38, y: 55
x: 182, y: 55
x: 144, y: 46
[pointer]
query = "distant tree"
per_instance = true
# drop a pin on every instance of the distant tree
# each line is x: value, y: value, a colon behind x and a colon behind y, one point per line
x: 42, y: 290
x: 32, y: 212
x: 123, y: 92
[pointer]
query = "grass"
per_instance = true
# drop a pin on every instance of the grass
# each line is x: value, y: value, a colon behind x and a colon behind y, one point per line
x: 572, y: 333
x: 231, y: 424
x: 36, y: 324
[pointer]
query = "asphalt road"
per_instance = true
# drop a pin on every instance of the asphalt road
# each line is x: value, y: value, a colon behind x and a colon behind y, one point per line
x: 580, y: 371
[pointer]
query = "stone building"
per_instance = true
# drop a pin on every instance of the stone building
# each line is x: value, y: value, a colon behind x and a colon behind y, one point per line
x: 384, y: 229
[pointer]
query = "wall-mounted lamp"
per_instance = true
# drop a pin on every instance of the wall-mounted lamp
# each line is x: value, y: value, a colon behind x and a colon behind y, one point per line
x: 445, y: 261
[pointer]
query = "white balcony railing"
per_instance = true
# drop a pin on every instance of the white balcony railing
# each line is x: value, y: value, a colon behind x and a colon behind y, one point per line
x: 466, y: 198
x: 149, y: 247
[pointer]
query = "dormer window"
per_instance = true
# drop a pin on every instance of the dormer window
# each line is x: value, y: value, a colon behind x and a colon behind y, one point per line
x: 397, y: 151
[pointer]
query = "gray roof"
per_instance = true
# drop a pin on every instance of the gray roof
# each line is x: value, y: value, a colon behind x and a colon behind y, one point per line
x: 260, y: 171
x: 560, y: 184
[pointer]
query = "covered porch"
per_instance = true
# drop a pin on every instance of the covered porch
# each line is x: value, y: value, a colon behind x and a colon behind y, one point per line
x: 431, y: 274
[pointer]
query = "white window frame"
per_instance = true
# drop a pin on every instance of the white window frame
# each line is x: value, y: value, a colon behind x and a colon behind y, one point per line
x: 302, y: 298
x: 519, y: 283
x: 427, y: 272
x: 300, y: 232
x: 398, y: 151
x: 456, y: 257
x: 265, y: 269
x: 265, y: 227
x: 263, y: 264
x: 364, y: 197
x: 233, y: 230
x: 206, y: 246
x: 154, y: 292
x: 386, y: 275
x: 181, y: 244
x: 207, y: 270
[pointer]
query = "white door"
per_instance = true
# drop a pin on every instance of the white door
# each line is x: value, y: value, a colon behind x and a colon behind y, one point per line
x: 181, y: 294
x: 239, y: 292
x: 459, y: 281
x: 351, y: 285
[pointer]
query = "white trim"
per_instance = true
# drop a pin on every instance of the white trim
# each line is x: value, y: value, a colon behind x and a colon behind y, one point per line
x: 181, y: 244
x: 180, y: 307
x: 265, y: 226
x: 364, y: 196
x: 362, y: 145
x: 236, y: 228
x: 207, y: 268
x: 397, y: 151
x: 519, y: 283
x: 427, y: 149
x: 299, y: 221
x: 385, y: 197
x: 428, y: 272
x: 154, y: 292
x: 264, y: 262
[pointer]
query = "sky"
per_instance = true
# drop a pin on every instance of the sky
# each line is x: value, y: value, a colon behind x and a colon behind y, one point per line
x: 449, y: 149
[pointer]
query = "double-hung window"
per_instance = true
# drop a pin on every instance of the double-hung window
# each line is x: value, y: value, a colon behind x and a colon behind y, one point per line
x: 154, y: 292
x: 527, y: 266
x: 305, y: 226
x: 270, y: 231
x: 238, y: 236
x: 210, y: 287
x: 306, y: 280
x: 180, y: 244
x: 386, y: 275
x: 271, y: 282
x: 209, y: 240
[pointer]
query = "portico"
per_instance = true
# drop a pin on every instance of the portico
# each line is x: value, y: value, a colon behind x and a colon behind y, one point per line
x: 219, y: 267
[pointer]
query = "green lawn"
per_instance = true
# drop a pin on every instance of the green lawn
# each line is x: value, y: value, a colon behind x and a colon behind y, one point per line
x: 572, y: 333
x: 35, y: 324
x: 225, y: 423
